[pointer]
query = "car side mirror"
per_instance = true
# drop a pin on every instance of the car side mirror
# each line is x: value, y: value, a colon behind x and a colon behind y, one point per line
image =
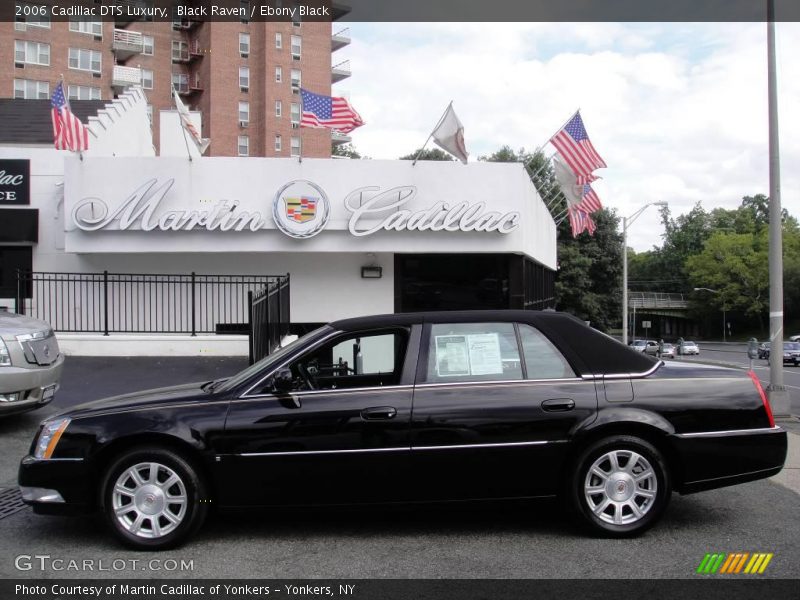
x: 283, y: 380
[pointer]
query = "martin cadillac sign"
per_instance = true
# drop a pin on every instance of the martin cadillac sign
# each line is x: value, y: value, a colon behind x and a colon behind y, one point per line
x: 239, y: 200
x: 15, y: 182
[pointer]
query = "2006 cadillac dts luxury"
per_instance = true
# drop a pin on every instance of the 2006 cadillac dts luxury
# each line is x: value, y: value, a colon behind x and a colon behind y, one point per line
x: 413, y: 407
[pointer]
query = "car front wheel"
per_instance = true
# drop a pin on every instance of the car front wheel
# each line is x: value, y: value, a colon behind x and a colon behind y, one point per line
x: 621, y: 486
x: 153, y: 499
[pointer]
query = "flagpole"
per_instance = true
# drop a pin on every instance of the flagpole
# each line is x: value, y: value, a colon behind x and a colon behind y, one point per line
x: 180, y: 123
x: 66, y: 99
x: 559, y: 129
x: 439, y: 122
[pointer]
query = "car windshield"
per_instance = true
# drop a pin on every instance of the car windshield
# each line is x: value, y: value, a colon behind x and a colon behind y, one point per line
x: 267, y: 361
x: 689, y: 344
x: 639, y: 343
x: 791, y: 346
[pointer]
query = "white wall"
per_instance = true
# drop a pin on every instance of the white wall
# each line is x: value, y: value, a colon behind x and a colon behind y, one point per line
x: 173, y: 139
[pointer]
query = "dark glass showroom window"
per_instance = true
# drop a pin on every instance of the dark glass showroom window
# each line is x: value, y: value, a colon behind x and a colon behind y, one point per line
x: 473, y: 352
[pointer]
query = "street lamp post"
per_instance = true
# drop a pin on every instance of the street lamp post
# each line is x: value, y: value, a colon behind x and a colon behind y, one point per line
x: 724, y: 319
x: 626, y: 222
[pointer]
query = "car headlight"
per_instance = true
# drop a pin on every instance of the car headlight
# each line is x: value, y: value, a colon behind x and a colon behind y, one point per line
x: 49, y: 436
x: 5, y: 357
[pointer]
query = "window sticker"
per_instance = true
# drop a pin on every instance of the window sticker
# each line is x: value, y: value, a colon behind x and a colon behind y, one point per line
x: 476, y: 354
x: 452, y: 358
x: 484, y: 354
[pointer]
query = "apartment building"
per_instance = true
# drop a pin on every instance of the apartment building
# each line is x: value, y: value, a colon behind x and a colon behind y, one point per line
x: 244, y: 77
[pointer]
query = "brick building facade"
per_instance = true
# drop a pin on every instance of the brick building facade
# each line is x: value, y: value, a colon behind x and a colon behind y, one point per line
x: 244, y: 77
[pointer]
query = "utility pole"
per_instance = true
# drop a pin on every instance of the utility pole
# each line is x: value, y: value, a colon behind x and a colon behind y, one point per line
x: 776, y: 391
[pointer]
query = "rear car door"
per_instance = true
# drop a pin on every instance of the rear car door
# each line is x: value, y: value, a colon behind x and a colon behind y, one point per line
x: 494, y: 408
x: 342, y: 433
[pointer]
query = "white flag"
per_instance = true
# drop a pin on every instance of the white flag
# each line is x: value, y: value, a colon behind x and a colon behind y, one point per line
x: 186, y: 121
x: 567, y: 181
x: 449, y: 135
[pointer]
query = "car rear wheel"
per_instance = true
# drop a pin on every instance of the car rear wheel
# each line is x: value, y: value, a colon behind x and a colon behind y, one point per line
x: 621, y: 486
x: 153, y: 499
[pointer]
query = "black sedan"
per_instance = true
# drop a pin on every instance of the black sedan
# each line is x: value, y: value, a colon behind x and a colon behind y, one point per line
x: 431, y: 407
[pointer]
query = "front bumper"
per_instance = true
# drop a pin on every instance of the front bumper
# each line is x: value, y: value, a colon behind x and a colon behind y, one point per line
x: 57, y: 485
x: 30, y: 384
x: 717, y: 459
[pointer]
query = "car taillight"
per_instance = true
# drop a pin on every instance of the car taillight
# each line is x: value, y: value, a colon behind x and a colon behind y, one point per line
x: 761, y: 393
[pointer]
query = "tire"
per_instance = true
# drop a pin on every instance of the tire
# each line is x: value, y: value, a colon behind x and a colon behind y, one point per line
x: 152, y: 521
x: 631, y: 507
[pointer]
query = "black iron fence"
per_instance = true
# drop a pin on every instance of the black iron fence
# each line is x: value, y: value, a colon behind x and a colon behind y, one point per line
x: 142, y: 303
x: 269, y: 318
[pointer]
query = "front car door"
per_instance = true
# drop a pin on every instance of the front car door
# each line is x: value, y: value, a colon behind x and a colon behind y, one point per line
x: 340, y: 435
x: 494, y: 406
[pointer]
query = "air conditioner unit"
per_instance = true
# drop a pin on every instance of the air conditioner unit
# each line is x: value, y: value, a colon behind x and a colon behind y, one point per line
x: 244, y: 54
x: 98, y: 75
x: 19, y: 65
x: 295, y: 125
x: 244, y: 89
x: 244, y: 123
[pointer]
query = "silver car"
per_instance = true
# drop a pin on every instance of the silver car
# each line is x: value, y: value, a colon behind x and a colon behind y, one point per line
x: 30, y: 363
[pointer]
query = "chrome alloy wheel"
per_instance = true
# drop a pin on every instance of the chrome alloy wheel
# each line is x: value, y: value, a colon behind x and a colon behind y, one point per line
x: 149, y: 500
x: 620, y: 487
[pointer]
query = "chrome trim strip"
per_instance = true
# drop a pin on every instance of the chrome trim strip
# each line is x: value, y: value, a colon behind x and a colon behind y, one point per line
x: 626, y: 375
x: 729, y: 432
x: 380, y: 388
x: 401, y: 449
x: 508, y: 382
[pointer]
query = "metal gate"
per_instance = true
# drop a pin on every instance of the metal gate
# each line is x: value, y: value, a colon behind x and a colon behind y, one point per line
x: 269, y: 318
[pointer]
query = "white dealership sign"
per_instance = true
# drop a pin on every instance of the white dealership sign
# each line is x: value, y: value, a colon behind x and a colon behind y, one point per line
x: 228, y: 204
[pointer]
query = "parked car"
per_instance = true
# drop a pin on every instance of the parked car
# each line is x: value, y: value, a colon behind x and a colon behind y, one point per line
x: 794, y: 338
x: 645, y: 346
x: 689, y: 348
x: 422, y: 407
x: 791, y: 353
x: 668, y: 351
x: 30, y: 363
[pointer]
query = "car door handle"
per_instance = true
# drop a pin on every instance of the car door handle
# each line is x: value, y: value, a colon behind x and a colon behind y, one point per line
x: 378, y: 413
x: 558, y: 404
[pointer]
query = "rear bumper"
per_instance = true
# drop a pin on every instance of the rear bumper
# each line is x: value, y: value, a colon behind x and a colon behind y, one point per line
x: 717, y: 459
x: 68, y: 481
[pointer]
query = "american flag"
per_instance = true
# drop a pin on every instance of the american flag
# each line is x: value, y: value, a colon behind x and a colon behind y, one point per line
x: 591, y: 202
x: 573, y: 143
x: 68, y: 131
x: 328, y: 112
x: 580, y: 221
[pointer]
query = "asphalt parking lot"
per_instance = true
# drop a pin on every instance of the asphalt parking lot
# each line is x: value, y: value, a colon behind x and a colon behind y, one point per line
x: 522, y: 540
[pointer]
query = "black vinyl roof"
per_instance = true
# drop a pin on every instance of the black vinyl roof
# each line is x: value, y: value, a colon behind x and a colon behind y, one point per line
x: 590, y: 351
x: 29, y: 121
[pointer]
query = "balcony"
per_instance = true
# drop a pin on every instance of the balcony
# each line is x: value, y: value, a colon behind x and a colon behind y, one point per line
x: 127, y: 44
x: 184, y: 24
x: 340, y: 39
x: 129, y: 9
x: 338, y: 138
x: 340, y: 71
x: 123, y: 77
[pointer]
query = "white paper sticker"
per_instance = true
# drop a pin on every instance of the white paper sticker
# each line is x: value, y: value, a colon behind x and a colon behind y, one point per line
x: 452, y: 358
x: 484, y: 354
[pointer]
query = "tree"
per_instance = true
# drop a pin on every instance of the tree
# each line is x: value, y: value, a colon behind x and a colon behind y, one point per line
x: 428, y: 154
x: 347, y: 150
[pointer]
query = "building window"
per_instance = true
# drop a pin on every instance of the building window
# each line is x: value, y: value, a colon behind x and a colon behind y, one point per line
x: 88, y: 27
x: 296, y: 80
x: 180, y: 51
x: 295, y: 146
x: 244, y: 44
x: 278, y: 143
x: 278, y: 74
x: 245, y: 4
x: 149, y: 45
x: 180, y: 81
x: 244, y: 78
x: 32, y: 53
x: 244, y: 112
x: 85, y: 60
x: 32, y: 15
x: 278, y: 108
x: 28, y: 89
x: 244, y: 145
x: 150, y: 113
x: 297, y: 46
x: 147, y: 79
x: 278, y: 40
x: 83, y: 92
x: 295, y: 115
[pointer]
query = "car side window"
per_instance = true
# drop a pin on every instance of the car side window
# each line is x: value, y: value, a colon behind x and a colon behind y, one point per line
x: 354, y: 360
x: 542, y: 358
x: 472, y: 352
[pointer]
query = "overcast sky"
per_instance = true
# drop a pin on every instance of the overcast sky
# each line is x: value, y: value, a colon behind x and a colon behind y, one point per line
x: 678, y: 111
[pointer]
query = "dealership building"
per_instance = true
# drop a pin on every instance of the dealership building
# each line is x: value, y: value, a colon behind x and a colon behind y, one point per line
x: 354, y: 237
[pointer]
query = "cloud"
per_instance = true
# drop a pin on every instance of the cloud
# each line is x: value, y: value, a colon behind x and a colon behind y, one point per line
x: 678, y: 111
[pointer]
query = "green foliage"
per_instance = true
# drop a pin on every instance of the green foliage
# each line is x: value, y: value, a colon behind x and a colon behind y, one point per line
x: 428, y: 154
x: 347, y: 150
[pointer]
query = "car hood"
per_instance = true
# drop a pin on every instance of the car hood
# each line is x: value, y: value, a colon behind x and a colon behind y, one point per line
x: 12, y: 324
x: 188, y: 392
